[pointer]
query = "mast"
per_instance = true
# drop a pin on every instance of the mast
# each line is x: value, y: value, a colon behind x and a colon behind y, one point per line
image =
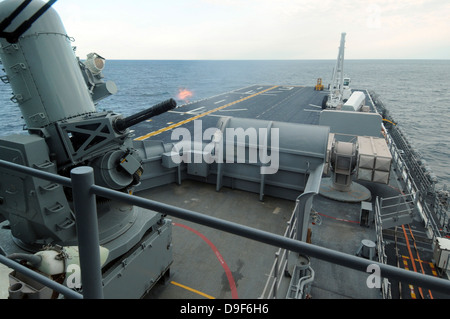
x: 337, y: 81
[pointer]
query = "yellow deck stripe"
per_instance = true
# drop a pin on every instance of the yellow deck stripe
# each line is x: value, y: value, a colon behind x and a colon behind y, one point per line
x: 411, y: 287
x: 201, y: 115
x: 193, y: 290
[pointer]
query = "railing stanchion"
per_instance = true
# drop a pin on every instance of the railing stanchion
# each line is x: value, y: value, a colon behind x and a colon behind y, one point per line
x: 87, y: 229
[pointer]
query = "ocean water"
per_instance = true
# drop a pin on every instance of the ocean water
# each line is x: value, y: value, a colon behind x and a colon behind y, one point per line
x: 416, y: 92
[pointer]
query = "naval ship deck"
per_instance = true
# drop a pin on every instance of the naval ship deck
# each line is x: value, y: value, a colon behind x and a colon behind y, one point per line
x: 208, y: 263
x: 211, y: 264
x: 296, y: 104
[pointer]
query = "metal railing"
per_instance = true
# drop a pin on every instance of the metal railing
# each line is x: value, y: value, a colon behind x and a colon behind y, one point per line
x: 416, y: 176
x: 280, y: 265
x: 82, y: 186
x: 386, y: 290
x: 420, y: 193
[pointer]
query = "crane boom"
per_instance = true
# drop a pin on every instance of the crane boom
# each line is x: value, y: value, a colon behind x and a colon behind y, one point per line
x: 338, y: 85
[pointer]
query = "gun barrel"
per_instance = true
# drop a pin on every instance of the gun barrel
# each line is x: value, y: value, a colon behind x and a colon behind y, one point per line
x: 122, y: 124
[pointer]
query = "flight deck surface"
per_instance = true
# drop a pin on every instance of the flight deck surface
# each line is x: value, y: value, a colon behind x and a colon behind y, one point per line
x: 296, y: 104
x: 212, y: 264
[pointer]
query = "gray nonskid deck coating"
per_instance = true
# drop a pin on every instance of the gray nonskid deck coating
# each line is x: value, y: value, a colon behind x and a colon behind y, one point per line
x: 199, y: 267
x: 293, y: 104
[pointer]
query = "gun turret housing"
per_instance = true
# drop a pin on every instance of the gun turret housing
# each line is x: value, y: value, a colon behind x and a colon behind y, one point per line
x: 57, y: 95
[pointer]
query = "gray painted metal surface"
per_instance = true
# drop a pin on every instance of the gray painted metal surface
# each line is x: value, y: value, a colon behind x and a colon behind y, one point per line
x: 362, y: 124
x: 24, y: 196
x: 56, y: 94
x: 87, y: 230
x: 43, y: 49
x: 322, y: 253
x: 66, y: 125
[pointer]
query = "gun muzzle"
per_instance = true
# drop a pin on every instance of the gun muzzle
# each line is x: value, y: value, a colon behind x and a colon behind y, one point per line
x: 122, y: 124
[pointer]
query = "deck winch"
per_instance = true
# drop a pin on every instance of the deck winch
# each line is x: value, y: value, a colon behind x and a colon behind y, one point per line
x: 355, y: 158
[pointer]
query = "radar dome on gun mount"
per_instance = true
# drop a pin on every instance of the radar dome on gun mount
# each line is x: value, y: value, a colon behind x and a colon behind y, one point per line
x: 95, y: 63
x: 92, y: 69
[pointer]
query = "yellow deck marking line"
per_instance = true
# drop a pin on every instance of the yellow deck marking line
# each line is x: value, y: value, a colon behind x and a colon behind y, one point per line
x: 416, y: 259
x: 433, y: 270
x: 201, y: 115
x: 193, y: 290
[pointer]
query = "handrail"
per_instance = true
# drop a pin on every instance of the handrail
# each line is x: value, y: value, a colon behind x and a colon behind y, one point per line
x: 382, y: 257
x: 280, y: 262
x: 300, y: 247
x: 412, y: 173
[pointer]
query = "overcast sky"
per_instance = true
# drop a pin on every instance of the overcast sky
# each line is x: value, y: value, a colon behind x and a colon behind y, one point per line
x: 258, y: 29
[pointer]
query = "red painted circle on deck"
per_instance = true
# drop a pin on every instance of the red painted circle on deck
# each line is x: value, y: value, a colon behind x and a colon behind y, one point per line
x: 224, y: 265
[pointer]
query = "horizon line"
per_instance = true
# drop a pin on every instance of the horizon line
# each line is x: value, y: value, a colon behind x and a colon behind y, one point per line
x: 256, y: 59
